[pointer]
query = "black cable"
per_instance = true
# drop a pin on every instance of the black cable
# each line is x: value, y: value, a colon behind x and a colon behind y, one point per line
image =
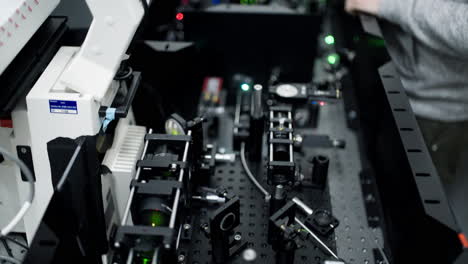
x: 251, y: 176
x: 7, y: 248
x: 122, y: 75
x: 16, y: 242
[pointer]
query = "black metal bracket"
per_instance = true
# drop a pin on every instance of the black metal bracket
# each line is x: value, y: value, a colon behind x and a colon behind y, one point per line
x: 281, y: 164
x: 129, y: 236
x: 122, y: 111
x: 222, y: 225
x: 160, y: 163
x: 165, y: 138
x: 156, y: 187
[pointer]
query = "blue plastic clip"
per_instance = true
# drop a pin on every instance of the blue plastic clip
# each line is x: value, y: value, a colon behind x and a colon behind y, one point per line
x: 110, y: 115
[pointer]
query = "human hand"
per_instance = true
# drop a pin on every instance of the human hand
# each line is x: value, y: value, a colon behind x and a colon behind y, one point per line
x: 370, y: 7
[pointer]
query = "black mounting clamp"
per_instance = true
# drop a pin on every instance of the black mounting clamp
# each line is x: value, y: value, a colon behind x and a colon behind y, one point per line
x: 121, y: 110
x: 281, y: 163
x: 221, y: 230
x: 288, y: 230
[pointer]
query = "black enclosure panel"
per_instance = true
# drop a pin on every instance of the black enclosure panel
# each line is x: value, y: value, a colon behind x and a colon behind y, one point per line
x: 256, y: 41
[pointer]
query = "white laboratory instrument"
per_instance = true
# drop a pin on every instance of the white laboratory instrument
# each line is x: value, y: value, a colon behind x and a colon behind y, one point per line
x: 66, y: 99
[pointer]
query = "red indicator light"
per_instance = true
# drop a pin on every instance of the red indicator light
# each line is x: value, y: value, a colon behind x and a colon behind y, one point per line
x: 179, y: 16
x: 322, y: 103
x: 463, y: 240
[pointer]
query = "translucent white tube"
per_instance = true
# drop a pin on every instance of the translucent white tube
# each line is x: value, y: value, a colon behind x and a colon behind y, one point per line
x: 27, y: 173
x: 250, y: 175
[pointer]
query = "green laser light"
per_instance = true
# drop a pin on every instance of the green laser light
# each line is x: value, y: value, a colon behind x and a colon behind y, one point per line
x: 329, y: 40
x: 333, y: 59
x: 245, y: 87
x: 157, y: 218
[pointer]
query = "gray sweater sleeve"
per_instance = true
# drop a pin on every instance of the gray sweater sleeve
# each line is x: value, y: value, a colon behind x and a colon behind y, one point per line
x: 440, y: 24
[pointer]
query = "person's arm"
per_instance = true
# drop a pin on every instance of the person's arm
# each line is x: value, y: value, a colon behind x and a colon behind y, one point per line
x: 439, y: 24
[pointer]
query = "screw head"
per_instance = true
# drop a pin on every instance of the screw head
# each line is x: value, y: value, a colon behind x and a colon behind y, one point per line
x: 24, y: 150
x: 352, y: 115
x: 187, y: 226
x: 237, y: 237
x: 181, y: 258
x: 298, y: 138
x: 249, y: 255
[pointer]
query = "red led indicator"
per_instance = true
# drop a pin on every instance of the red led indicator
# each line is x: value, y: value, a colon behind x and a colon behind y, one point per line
x: 322, y: 103
x: 179, y: 16
x: 463, y: 240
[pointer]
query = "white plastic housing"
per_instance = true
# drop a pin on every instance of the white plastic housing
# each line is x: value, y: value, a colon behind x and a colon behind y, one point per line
x: 19, y: 20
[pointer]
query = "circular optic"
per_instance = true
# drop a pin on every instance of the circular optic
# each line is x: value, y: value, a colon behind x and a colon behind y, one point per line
x: 173, y: 127
x: 287, y: 90
x: 228, y: 222
x: 323, y: 218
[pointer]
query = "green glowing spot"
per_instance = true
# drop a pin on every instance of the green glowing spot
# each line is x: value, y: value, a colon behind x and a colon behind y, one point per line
x: 245, y: 87
x: 329, y: 40
x: 376, y: 42
x: 157, y: 218
x: 167, y: 174
x: 146, y: 260
x: 174, y: 132
x: 333, y: 59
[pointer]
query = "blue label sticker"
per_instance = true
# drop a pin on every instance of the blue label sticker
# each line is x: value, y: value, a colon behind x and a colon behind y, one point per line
x: 63, y: 107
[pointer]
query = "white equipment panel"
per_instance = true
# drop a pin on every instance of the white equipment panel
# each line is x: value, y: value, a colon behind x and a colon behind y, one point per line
x: 19, y: 20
